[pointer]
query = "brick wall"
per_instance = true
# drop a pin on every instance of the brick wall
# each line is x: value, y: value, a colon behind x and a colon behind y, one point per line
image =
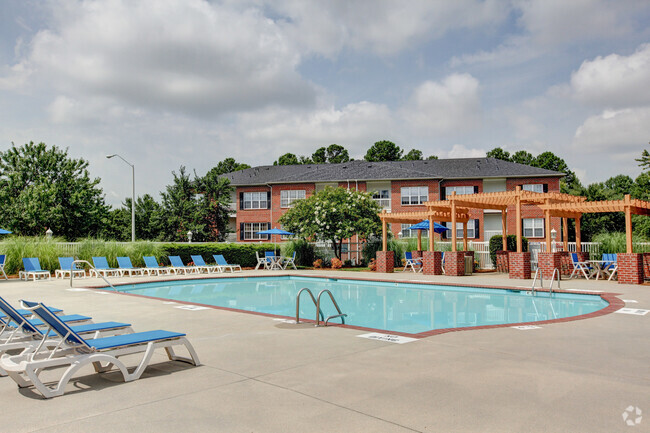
x: 630, y: 268
x: 519, y: 265
x: 502, y: 261
x: 385, y: 261
x: 548, y: 262
x: 432, y: 263
x: 455, y: 263
x: 646, y: 266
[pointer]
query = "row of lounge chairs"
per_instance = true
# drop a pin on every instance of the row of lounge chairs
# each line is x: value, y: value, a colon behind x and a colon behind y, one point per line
x: 38, y: 338
x: 101, y: 267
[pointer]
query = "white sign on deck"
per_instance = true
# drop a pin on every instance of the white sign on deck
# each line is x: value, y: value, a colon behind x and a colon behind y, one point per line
x: 526, y: 327
x: 389, y: 338
x: 191, y: 307
x: 633, y: 311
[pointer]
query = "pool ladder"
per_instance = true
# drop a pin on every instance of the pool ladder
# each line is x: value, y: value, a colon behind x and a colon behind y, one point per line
x: 74, y: 262
x: 538, y: 272
x: 319, y: 312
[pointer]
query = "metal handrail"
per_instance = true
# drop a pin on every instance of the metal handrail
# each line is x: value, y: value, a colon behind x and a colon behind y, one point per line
x: 550, y: 287
x: 315, y: 304
x: 341, y: 315
x: 72, y: 269
x: 541, y: 280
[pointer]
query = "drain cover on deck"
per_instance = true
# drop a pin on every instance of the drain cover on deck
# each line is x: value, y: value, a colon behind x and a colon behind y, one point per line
x: 191, y: 307
x: 389, y: 338
x: 526, y: 327
x: 633, y: 311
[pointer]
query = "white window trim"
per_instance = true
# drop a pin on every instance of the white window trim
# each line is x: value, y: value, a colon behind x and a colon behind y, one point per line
x: 465, y: 189
x: 459, y: 229
x: 287, y: 202
x: 533, y: 187
x: 262, y: 197
x: 537, y: 224
x: 253, y: 232
x: 384, y: 202
x: 406, y: 233
x: 418, y: 195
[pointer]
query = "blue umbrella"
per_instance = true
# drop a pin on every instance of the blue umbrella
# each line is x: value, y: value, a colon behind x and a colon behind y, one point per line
x: 4, y: 232
x: 424, y: 225
x: 274, y: 232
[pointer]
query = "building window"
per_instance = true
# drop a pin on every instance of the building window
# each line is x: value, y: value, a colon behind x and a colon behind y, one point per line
x: 250, y: 231
x: 534, y: 187
x: 382, y: 197
x: 414, y: 194
x: 534, y: 227
x: 406, y: 233
x: 459, y: 190
x: 287, y: 197
x: 471, y: 230
x: 256, y: 200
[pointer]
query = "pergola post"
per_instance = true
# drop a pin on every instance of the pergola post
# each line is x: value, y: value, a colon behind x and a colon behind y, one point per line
x: 628, y: 224
x: 431, y: 233
x: 518, y: 218
x: 504, y: 230
x: 465, y: 236
x: 384, y: 235
x: 453, y: 221
x: 547, y: 230
x: 419, y: 240
x: 565, y: 234
x: 578, y: 239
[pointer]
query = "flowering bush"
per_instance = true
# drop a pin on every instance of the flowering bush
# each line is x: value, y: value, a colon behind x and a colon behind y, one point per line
x: 318, y: 263
x: 372, y: 265
x: 337, y: 263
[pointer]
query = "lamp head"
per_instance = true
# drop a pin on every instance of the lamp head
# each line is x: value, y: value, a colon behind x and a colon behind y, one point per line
x: 110, y: 156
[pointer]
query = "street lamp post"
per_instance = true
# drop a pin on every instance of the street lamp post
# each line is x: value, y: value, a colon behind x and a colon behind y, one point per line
x: 132, y: 194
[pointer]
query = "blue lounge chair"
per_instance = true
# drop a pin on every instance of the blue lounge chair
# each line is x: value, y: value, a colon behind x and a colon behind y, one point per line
x: 76, y: 352
x: 66, y: 265
x: 101, y: 267
x: 3, y: 258
x: 223, y: 264
x: 201, y: 265
x: 125, y: 266
x: 178, y: 264
x: 414, y: 264
x: 580, y: 267
x: 290, y: 261
x: 33, y: 268
x: 611, y: 265
x: 152, y: 266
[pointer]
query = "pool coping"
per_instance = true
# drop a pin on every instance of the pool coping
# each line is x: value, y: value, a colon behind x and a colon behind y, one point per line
x: 614, y: 303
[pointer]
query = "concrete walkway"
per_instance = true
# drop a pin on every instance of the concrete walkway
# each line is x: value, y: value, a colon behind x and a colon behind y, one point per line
x: 262, y: 375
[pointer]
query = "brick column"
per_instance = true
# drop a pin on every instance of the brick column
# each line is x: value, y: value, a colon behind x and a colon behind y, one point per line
x: 547, y: 262
x: 432, y: 263
x: 583, y: 256
x: 385, y: 261
x: 455, y: 263
x: 519, y: 264
x: 502, y: 261
x: 646, y: 265
x: 630, y: 268
x: 566, y: 264
x: 416, y: 254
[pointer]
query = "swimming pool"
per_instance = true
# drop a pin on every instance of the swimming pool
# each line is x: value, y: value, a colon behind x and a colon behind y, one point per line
x: 398, y: 307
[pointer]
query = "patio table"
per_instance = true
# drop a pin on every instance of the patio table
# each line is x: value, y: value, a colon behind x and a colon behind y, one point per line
x: 598, y: 268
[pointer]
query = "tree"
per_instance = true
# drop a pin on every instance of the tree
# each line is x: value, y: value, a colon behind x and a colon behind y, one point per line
x: 334, y: 214
x: 148, y: 218
x: 433, y: 157
x: 214, y: 204
x: 413, y: 155
x: 287, y: 159
x: 333, y: 154
x: 523, y: 157
x: 644, y: 161
x: 499, y: 153
x: 41, y: 187
x: 384, y: 151
x: 228, y: 165
x: 550, y: 161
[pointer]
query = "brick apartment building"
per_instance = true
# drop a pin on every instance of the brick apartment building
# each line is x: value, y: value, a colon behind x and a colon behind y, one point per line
x: 262, y: 194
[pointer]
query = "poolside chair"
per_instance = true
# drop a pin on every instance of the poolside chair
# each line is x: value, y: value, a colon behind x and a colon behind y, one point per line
x: 442, y: 253
x: 76, y: 352
x: 66, y: 265
x: 412, y: 263
x: 611, y: 265
x: 290, y: 261
x: 201, y: 265
x: 223, y: 264
x: 178, y: 264
x: 126, y: 266
x: 152, y: 266
x: 3, y: 258
x: 101, y: 268
x: 33, y: 269
x: 580, y: 267
x: 275, y: 262
x: 261, y: 261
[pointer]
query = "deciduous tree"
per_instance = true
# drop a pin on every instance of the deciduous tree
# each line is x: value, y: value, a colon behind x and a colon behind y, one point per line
x: 384, y: 151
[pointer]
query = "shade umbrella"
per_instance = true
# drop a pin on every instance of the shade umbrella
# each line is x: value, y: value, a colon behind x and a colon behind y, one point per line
x: 274, y: 232
x: 424, y: 225
x: 4, y: 232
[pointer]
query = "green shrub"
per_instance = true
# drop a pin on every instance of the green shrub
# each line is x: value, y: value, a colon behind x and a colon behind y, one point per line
x: 496, y: 244
x: 374, y: 244
x: 18, y: 247
x: 242, y: 254
x: 305, y: 254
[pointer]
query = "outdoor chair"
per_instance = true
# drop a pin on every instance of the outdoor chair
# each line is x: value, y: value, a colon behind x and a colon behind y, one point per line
x: 101, y: 267
x: 274, y: 262
x: 75, y: 352
x: 442, y: 257
x: 33, y: 269
x: 201, y: 265
x: 414, y: 264
x: 223, y: 264
x: 611, y: 265
x: 3, y: 259
x: 178, y: 264
x: 126, y: 266
x: 152, y: 266
x: 290, y: 261
x: 66, y: 266
x: 580, y: 267
x: 261, y: 261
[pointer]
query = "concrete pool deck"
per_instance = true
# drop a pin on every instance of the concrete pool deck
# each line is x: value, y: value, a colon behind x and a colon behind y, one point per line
x: 264, y: 375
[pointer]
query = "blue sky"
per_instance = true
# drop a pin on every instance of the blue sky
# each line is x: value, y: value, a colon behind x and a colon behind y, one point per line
x: 166, y: 83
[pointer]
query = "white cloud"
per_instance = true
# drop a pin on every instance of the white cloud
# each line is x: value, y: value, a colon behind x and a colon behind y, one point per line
x: 177, y: 55
x: 460, y: 151
x: 443, y: 107
x: 614, y: 80
x: 622, y: 134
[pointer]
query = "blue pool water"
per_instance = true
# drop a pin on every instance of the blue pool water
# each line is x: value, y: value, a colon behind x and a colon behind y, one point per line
x: 398, y: 307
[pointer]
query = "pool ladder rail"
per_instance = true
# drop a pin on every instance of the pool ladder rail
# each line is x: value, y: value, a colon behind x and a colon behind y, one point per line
x: 538, y: 272
x: 74, y: 262
x: 319, y: 312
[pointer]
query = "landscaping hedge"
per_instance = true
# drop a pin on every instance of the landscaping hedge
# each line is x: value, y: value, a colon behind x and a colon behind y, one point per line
x: 496, y: 244
x: 242, y: 254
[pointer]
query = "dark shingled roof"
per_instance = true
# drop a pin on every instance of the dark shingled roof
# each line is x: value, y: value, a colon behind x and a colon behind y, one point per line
x: 459, y: 168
